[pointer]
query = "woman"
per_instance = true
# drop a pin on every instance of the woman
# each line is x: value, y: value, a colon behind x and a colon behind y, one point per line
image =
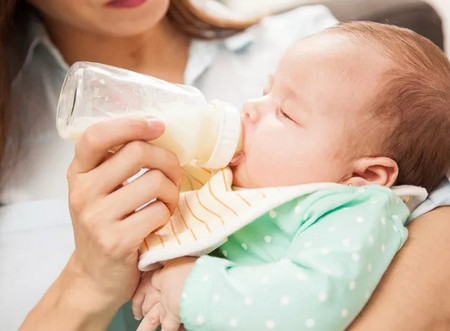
x: 144, y: 39
x: 137, y: 35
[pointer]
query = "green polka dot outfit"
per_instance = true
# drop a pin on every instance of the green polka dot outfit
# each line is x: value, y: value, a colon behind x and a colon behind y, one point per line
x: 309, y: 264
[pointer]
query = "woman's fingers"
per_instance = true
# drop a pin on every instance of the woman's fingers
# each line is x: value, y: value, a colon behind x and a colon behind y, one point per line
x: 139, y: 225
x: 151, y: 185
x: 93, y: 146
x: 129, y: 160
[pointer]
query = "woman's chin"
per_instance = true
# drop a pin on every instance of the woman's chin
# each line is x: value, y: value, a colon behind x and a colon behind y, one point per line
x: 127, y: 22
x: 124, y: 28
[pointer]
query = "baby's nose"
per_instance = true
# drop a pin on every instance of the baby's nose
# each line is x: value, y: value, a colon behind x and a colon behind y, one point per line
x: 250, y: 112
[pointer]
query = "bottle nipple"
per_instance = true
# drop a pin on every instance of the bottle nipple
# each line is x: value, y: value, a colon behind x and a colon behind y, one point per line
x: 239, y: 153
x: 229, y: 138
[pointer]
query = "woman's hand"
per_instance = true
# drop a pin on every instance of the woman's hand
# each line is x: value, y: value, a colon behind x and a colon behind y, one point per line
x: 102, y: 273
x: 108, y: 230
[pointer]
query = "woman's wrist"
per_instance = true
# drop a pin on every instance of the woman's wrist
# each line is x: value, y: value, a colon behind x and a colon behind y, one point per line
x: 82, y: 291
x: 73, y: 301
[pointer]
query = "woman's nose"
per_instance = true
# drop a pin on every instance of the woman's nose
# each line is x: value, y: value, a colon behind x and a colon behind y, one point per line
x: 251, y: 111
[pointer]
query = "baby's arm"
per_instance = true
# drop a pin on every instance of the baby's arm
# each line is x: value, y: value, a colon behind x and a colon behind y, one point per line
x: 332, y: 265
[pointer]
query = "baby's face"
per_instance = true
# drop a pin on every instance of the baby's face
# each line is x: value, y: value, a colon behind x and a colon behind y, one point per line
x: 298, y: 132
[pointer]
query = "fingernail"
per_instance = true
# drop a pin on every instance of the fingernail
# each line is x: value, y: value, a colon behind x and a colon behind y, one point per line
x: 137, y: 318
x: 152, y: 121
x: 156, y: 125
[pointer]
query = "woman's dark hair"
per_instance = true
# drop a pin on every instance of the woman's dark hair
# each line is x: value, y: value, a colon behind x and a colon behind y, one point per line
x: 7, y: 8
x: 197, y: 22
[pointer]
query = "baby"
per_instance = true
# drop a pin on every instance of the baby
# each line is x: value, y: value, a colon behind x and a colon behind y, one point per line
x: 361, y: 105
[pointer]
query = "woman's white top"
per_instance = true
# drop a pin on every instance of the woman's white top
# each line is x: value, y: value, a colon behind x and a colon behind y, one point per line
x: 35, y: 231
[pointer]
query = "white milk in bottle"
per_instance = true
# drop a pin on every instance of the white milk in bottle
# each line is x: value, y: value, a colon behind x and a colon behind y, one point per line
x: 208, y: 133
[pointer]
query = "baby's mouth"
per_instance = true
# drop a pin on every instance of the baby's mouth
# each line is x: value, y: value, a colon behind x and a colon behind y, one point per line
x: 236, y: 158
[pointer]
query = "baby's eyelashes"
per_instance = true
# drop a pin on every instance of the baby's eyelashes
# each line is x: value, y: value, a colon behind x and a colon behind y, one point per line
x: 281, y: 113
x: 284, y: 115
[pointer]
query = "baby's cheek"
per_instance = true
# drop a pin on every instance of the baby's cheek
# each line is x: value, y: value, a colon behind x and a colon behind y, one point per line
x: 264, y: 172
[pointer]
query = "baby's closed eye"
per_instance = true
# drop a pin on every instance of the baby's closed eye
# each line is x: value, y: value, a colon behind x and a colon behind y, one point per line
x: 285, y: 115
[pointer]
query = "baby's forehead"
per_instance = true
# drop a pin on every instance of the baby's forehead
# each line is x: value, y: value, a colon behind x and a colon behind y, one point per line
x: 336, y: 56
x: 337, y: 62
x: 337, y: 46
x: 329, y: 72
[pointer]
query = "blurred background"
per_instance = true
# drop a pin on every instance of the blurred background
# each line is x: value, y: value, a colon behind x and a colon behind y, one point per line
x: 430, y: 18
x: 443, y: 7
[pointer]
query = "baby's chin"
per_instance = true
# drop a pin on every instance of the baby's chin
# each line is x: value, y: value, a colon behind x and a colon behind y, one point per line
x: 237, y: 180
x: 236, y: 165
x: 239, y: 176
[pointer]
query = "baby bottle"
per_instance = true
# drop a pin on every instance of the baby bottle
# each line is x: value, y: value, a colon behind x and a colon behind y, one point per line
x: 195, y: 130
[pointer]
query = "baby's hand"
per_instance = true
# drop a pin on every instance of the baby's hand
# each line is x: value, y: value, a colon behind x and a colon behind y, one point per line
x: 145, y: 303
x: 158, y: 296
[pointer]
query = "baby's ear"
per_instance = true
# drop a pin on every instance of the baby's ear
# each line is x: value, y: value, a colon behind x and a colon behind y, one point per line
x: 373, y: 171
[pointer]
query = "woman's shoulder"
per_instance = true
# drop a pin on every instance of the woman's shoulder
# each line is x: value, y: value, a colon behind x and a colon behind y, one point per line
x: 236, y: 68
x: 274, y: 34
x: 297, y: 23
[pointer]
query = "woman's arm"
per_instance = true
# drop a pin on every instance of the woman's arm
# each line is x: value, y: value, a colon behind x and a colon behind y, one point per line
x: 413, y: 294
x: 71, y: 302
x: 109, y: 223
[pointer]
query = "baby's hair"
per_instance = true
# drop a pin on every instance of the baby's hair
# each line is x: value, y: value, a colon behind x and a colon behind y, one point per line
x: 413, y: 102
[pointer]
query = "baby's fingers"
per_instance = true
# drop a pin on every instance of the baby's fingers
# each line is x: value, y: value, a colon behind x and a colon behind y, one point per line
x: 145, y: 296
x: 136, y: 304
x: 170, y: 324
x: 150, y: 321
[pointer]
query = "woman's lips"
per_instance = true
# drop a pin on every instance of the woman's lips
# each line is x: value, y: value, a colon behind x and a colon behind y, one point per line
x: 125, y: 3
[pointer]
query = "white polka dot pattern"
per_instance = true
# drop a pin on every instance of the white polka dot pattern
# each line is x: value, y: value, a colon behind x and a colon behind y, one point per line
x: 233, y: 322
x: 200, y: 320
x: 270, y: 324
x: 285, y: 300
x: 310, y: 323
x: 345, y: 251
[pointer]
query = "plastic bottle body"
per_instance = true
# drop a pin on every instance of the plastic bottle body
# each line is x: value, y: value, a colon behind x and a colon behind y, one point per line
x: 194, y: 128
